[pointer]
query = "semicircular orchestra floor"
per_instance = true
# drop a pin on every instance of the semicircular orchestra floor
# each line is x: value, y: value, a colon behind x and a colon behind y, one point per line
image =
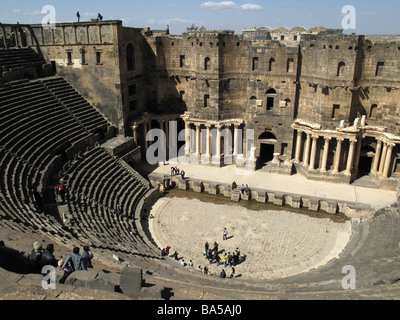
x: 275, y: 244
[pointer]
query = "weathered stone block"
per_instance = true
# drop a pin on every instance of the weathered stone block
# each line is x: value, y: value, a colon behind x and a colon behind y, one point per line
x: 131, y: 282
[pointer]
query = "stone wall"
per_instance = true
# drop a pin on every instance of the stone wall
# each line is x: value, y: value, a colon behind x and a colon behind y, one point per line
x: 87, y: 55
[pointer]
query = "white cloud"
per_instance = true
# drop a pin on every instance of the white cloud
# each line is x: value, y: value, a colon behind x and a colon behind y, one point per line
x: 224, y: 5
x: 251, y: 6
x: 230, y: 5
x: 16, y: 11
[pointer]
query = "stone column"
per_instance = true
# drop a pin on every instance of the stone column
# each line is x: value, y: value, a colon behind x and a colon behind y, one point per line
x: 350, y: 158
x: 313, y: 152
x: 337, y: 155
x: 208, y: 126
x: 306, y: 157
x: 383, y: 158
x: 145, y: 134
x: 377, y: 156
x: 167, y: 135
x: 198, y: 140
x: 358, y: 154
x: 326, y: 153
x: 219, y: 141
x: 217, y: 156
x: 135, y: 136
x: 236, y: 140
x: 17, y: 40
x: 187, y: 138
x: 298, y: 145
x: 4, y: 37
x: 388, y: 161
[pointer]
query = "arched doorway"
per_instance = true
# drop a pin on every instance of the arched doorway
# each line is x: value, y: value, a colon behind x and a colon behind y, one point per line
x: 267, y: 142
x: 366, y: 159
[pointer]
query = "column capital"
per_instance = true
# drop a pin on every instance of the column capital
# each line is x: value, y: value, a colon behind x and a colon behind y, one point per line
x: 314, y: 137
x: 353, y: 140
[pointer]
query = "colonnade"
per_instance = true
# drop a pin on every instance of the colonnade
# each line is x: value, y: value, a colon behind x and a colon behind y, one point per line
x: 309, y: 147
x: 146, y: 127
x: 16, y: 29
x: 206, y: 135
x: 383, y: 158
x: 201, y: 137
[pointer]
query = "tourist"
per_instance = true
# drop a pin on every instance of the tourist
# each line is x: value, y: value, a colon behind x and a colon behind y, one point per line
x: 238, y: 252
x: 100, y: 17
x: 232, y: 273
x: 75, y: 261
x: 47, y: 257
x: 225, y: 234
x: 87, y: 257
x: 234, y: 185
x: 36, y: 256
x: 175, y: 256
x: 235, y: 258
x: 229, y: 259
x: 222, y: 274
x: 190, y: 263
x: 205, y: 270
x: 215, y: 248
x: 206, y: 246
x: 167, y: 250
x: 79, y: 16
x: 208, y: 254
x: 199, y: 268
x: 61, y: 192
x: 217, y: 260
x: 225, y: 259
x: 67, y: 271
x: 183, y: 264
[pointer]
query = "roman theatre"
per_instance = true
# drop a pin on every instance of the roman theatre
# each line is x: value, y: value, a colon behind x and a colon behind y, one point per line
x: 149, y: 133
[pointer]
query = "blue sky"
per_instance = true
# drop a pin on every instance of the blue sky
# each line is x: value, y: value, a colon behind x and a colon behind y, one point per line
x: 372, y: 16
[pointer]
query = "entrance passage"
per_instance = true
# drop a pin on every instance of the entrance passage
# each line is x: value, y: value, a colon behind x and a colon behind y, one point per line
x: 366, y: 159
x: 267, y: 142
x: 266, y: 153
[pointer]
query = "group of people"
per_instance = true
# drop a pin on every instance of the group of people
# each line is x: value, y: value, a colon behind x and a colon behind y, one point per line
x: 228, y: 259
x: 99, y: 16
x: 213, y: 256
x: 74, y: 262
x: 244, y: 189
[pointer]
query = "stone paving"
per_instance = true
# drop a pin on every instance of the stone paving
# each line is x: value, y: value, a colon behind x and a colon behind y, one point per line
x: 276, y: 243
